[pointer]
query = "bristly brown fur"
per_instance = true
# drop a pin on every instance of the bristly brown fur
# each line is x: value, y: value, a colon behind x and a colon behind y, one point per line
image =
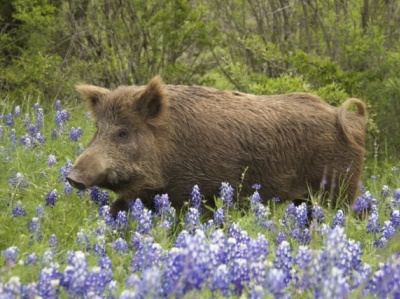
x: 180, y: 136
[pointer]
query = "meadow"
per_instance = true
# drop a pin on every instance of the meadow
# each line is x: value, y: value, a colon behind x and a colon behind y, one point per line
x: 57, y: 242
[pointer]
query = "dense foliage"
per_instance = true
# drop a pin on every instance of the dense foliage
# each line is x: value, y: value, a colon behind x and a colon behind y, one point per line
x: 334, y: 48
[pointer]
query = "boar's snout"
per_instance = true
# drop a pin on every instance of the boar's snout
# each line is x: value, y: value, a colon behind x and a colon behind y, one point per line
x: 75, y: 180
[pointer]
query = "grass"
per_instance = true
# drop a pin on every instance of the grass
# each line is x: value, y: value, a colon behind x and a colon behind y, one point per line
x: 73, y: 215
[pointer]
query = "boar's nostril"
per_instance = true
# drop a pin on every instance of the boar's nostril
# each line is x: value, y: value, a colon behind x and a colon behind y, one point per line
x: 73, y: 179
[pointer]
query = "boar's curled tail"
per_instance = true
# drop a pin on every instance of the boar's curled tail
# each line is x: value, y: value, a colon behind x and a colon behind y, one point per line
x: 353, y: 124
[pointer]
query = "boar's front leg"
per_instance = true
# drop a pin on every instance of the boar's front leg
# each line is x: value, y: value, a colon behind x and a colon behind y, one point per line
x: 121, y: 204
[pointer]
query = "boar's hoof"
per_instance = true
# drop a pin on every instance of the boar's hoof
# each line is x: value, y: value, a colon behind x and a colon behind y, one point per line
x: 74, y: 179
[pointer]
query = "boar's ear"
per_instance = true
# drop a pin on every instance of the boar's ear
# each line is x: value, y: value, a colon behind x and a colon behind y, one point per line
x: 152, y: 102
x: 93, y: 94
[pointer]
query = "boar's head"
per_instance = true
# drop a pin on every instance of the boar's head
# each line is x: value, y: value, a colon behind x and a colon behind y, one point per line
x: 124, y: 155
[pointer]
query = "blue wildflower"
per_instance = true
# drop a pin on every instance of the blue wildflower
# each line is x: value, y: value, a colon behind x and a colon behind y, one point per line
x: 276, y: 282
x: 31, y: 259
x: 18, y: 181
x: 51, y: 198
x: 240, y: 276
x: 1, y: 133
x: 39, y: 138
x: 26, y: 141
x: 99, y: 247
x: 317, y: 214
x: 120, y: 246
x: 57, y: 105
x: 192, y: 219
x: 99, y: 196
x: 19, y: 210
x: 27, y: 120
x: 136, y: 209
x: 164, y: 210
x: 53, y: 242
x: 374, y: 225
x: 105, y: 214
x: 226, y: 193
x: 35, y: 229
x: 255, y: 198
x: 32, y: 130
x: 10, y: 255
x: 39, y: 211
x: 9, y: 121
x: 121, y: 221
x: 63, y: 172
x: 388, y: 231
x: 145, y: 224
x: 83, y: 239
x: 49, y: 279
x: 75, y: 134
x: 74, y: 276
x: 195, y: 200
x: 36, y: 106
x: 13, y: 138
x: 219, y: 216
x: 280, y: 237
x: 339, y: 219
x: 51, y: 160
x: 395, y: 218
x: 17, y: 111
x: 40, y: 118
x: 284, y: 260
x: 221, y: 280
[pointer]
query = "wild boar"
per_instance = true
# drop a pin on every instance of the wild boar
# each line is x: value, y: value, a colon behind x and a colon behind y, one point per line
x: 160, y: 138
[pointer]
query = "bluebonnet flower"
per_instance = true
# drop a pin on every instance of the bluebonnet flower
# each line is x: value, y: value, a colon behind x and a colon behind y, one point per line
x: 64, y: 171
x: 120, y: 246
x: 395, y: 218
x: 317, y: 214
x: 18, y: 180
x: 147, y: 255
x: 53, y: 242
x: 284, y: 260
x: 32, y: 130
x: 396, y: 194
x: 40, y: 138
x: 74, y: 275
x: 99, y: 196
x: 99, y: 247
x: 106, y: 267
x: 35, y: 230
x: 19, y: 210
x: 121, y: 221
x: 256, y: 186
x: 192, y: 219
x: 226, y: 193
x: 13, y: 138
x: 240, y: 276
x: 31, y: 259
x: 95, y: 283
x: 105, y: 214
x: 1, y: 133
x: 39, y: 212
x: 57, y: 105
x: 221, y: 280
x: 75, y: 134
x: 10, y: 255
x: 374, y: 225
x: 339, y: 219
x: 255, y: 198
x: 51, y: 160
x: 301, y: 216
x: 17, y: 111
x: 9, y: 121
x: 51, y: 198
x: 280, y: 237
x: 36, y: 106
x: 276, y: 282
x: 261, y: 213
x: 26, y: 141
x: 195, y: 200
x: 49, y: 280
x: 40, y: 118
x: 388, y: 231
x: 145, y: 224
x: 61, y: 117
x: 219, y: 216
x: 335, y: 285
x: 164, y: 210
x: 136, y: 209
x: 385, y: 282
x: 361, y: 205
x: 385, y: 191
x: 83, y: 239
x: 48, y: 258
x: 27, y: 120
x: 275, y: 199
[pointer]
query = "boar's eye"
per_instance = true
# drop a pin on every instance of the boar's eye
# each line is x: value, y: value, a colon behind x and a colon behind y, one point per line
x: 122, y: 135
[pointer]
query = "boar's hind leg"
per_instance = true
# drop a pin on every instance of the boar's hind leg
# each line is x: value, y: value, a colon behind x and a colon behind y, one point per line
x: 120, y: 204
